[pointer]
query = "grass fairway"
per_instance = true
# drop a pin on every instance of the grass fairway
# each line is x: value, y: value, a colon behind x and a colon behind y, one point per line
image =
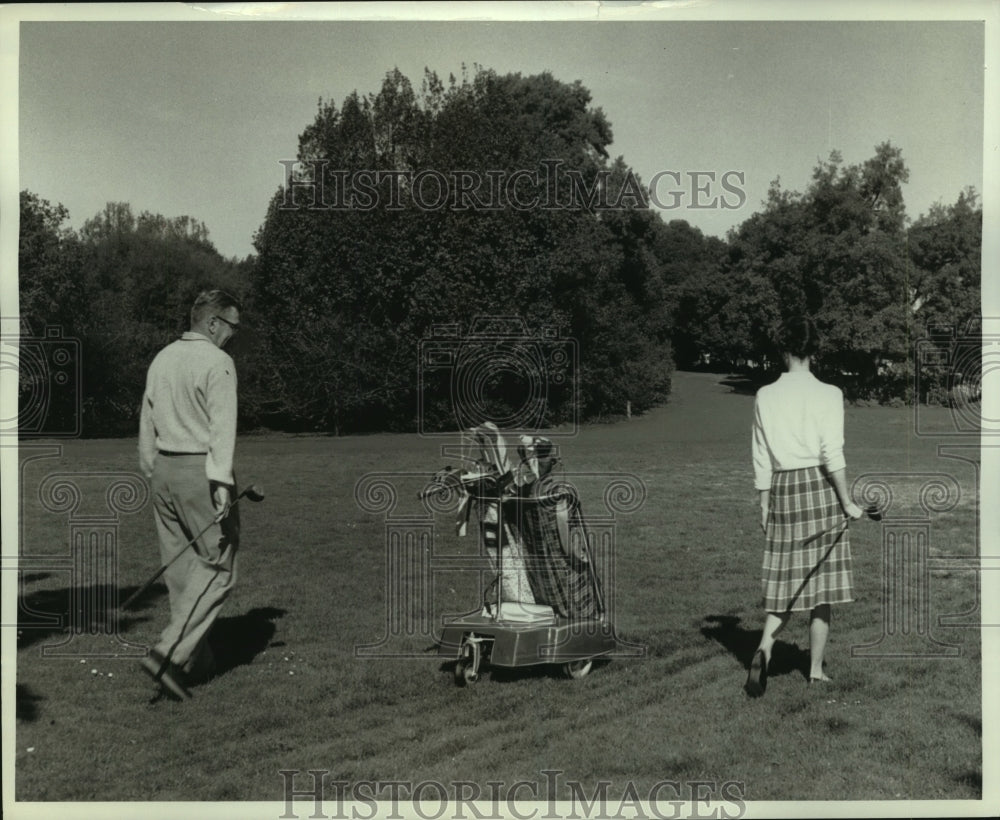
x: 312, y: 587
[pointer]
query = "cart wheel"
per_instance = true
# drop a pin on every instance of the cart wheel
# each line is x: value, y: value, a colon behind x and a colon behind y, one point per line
x: 467, y: 667
x: 465, y: 674
x: 578, y: 669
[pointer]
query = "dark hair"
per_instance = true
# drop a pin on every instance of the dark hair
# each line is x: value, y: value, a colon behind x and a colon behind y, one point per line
x: 798, y: 337
x: 210, y: 302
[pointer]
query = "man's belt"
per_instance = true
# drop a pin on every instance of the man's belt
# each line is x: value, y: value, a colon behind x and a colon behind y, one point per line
x: 175, y: 453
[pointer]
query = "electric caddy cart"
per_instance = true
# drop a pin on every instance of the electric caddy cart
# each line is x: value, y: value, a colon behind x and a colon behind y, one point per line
x: 510, y: 633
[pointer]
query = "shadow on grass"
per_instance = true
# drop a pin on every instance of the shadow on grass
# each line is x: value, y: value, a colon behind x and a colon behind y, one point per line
x: 31, y: 577
x: 744, y: 385
x: 786, y: 658
x: 972, y: 721
x: 94, y: 610
x: 25, y: 703
x: 972, y: 780
x: 238, y: 639
x: 513, y: 674
x: 90, y: 610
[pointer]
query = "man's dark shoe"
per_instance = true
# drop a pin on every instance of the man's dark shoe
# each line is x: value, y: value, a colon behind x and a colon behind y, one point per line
x: 165, y: 673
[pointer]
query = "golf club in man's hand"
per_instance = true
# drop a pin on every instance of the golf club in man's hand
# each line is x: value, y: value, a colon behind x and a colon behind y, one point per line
x: 253, y: 492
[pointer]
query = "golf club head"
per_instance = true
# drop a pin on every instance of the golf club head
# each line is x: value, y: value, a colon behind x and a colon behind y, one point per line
x: 254, y: 492
x: 873, y: 512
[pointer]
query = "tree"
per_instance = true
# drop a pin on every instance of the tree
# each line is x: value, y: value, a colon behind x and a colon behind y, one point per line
x: 944, y: 280
x: 47, y: 262
x: 694, y: 293
x: 945, y: 247
x: 141, y: 275
x: 50, y: 297
x: 838, y: 254
x: 422, y: 226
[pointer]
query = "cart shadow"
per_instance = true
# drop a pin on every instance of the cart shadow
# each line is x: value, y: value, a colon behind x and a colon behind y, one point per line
x: 786, y: 658
x: 514, y: 674
x: 236, y: 640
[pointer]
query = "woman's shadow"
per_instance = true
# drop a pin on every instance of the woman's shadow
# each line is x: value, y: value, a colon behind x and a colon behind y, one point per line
x: 786, y: 658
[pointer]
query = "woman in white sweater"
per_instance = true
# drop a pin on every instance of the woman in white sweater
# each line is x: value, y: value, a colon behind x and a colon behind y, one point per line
x: 798, y: 459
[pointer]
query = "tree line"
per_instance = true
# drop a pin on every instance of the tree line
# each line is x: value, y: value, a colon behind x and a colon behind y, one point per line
x: 470, y: 247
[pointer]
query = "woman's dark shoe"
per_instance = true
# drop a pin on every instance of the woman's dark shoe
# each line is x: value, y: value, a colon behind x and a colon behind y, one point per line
x: 757, y: 676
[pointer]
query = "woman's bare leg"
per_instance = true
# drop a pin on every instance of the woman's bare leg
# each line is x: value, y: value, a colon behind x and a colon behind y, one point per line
x: 819, y: 629
x: 773, y: 624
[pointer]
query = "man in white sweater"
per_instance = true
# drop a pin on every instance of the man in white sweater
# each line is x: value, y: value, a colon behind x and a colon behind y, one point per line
x: 187, y: 437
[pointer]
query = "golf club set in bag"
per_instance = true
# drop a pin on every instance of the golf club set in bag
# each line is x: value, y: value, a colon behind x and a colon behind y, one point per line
x: 545, y: 605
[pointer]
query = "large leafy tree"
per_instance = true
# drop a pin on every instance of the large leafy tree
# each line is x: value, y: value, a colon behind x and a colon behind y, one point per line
x: 434, y: 235
x: 695, y: 295
x: 837, y: 253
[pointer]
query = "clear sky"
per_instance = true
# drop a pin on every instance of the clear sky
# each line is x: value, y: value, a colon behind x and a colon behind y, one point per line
x: 193, y: 117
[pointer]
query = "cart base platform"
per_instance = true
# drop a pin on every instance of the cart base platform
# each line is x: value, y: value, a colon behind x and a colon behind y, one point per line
x: 479, y: 639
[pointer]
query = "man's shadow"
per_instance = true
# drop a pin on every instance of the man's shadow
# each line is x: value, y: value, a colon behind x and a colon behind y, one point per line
x: 786, y: 658
x: 93, y: 610
x: 236, y: 640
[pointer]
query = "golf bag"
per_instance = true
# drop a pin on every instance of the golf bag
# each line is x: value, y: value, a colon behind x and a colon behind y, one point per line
x: 536, y: 519
x: 485, y: 486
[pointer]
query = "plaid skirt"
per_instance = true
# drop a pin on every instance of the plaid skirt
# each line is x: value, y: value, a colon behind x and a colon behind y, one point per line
x: 807, y: 559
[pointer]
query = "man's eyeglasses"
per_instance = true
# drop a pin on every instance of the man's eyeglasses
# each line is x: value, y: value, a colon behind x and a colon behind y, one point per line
x: 235, y: 326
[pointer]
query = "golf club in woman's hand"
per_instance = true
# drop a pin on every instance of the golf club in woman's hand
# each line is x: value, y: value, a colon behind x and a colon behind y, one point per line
x: 873, y: 512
